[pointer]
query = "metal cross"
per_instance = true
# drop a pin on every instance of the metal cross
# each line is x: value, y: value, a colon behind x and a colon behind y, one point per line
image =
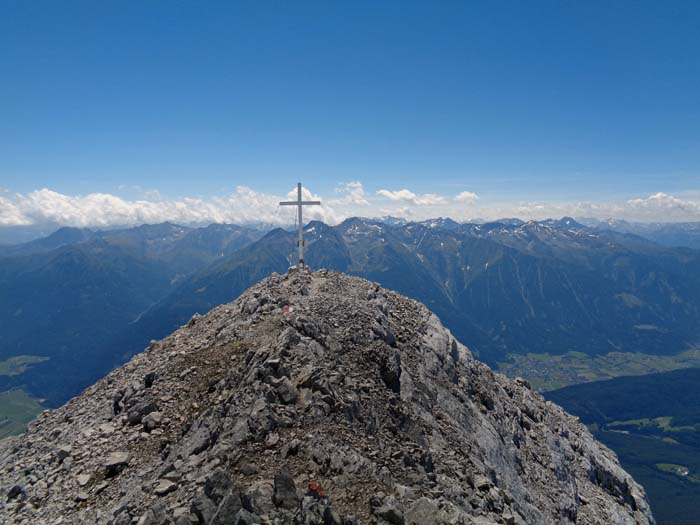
x: 300, y: 203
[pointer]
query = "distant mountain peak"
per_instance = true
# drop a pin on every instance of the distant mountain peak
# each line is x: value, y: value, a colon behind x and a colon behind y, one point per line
x: 564, y: 223
x: 440, y: 222
x: 510, y: 221
x: 359, y: 225
x: 392, y: 221
x: 317, y: 225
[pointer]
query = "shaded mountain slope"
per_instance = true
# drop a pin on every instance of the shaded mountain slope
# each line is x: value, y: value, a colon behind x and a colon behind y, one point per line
x: 66, y: 297
x: 673, y: 394
x: 61, y: 237
x: 64, y: 305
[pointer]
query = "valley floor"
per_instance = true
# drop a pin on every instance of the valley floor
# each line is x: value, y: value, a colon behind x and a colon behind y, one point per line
x: 549, y: 372
x: 652, y: 422
x: 17, y: 408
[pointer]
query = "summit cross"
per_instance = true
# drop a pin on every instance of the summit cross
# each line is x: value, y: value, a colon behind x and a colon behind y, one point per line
x: 300, y: 204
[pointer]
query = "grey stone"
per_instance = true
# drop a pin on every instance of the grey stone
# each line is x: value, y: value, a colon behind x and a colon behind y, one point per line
x: 482, y: 483
x: 156, y: 515
x: 287, y: 392
x: 63, y: 452
x: 243, y: 517
x: 203, y: 507
x: 258, y: 498
x: 248, y: 469
x: 198, y: 441
x: 116, y: 462
x: 422, y: 512
x: 241, y: 431
x: 148, y: 379
x: 330, y: 517
x: 390, y: 510
x: 16, y: 492
x: 390, y: 370
x: 228, y: 509
x: 285, y: 491
x: 217, y: 485
x: 136, y: 413
x: 290, y: 449
x: 83, y: 479
x: 152, y: 421
x: 163, y: 487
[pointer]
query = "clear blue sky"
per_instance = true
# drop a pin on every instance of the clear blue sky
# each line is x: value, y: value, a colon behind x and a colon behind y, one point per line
x: 544, y: 99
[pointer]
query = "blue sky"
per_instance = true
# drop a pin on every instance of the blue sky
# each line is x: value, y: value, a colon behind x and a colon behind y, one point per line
x: 547, y: 102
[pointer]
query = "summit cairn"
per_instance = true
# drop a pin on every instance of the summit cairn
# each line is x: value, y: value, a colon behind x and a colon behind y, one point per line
x: 319, y: 399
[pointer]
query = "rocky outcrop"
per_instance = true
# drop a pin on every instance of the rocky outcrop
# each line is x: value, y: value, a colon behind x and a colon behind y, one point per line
x: 314, y: 398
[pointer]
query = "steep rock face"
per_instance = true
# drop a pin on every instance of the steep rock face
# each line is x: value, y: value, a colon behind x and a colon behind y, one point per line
x: 314, y: 398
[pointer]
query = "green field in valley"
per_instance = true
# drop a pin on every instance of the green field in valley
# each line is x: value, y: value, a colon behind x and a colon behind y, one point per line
x: 550, y: 372
x: 19, y: 364
x: 669, y: 472
x: 17, y: 408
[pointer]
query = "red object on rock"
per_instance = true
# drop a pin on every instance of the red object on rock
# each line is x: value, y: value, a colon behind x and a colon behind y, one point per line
x: 316, y: 489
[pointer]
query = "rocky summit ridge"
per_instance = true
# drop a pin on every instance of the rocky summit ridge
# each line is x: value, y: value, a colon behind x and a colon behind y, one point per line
x: 314, y: 398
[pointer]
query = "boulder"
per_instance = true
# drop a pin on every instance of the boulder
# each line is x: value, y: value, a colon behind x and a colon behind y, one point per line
x: 163, y: 487
x: 116, y: 462
x: 390, y: 510
x: 63, y: 452
x: 285, y: 491
x: 152, y: 421
x: 136, y: 413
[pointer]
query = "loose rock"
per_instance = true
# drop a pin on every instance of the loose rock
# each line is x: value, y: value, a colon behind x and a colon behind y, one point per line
x: 315, y: 399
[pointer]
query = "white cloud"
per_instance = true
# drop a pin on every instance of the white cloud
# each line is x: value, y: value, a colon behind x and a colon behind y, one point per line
x: 403, y: 212
x: 244, y: 205
x: 353, y: 193
x: 659, y: 207
x: 10, y: 214
x: 152, y: 195
x: 661, y: 202
x: 466, y: 196
x: 427, y: 199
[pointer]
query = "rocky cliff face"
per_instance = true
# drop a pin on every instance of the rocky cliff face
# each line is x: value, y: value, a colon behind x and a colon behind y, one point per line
x: 314, y: 398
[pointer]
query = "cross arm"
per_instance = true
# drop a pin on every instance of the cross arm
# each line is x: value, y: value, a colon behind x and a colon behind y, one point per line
x: 297, y: 203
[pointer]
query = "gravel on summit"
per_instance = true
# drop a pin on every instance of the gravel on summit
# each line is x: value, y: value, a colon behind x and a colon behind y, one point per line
x: 314, y: 398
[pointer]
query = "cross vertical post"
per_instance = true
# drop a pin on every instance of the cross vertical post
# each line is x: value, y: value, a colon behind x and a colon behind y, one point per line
x: 299, y: 203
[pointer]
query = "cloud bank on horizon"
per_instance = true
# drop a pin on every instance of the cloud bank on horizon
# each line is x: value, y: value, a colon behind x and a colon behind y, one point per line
x: 245, y: 206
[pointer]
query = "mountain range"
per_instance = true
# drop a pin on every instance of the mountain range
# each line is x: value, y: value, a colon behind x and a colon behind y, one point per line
x: 89, y: 300
x: 681, y: 234
x: 551, y: 287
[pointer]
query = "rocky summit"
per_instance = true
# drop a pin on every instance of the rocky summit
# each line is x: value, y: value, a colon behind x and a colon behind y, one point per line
x: 314, y: 398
